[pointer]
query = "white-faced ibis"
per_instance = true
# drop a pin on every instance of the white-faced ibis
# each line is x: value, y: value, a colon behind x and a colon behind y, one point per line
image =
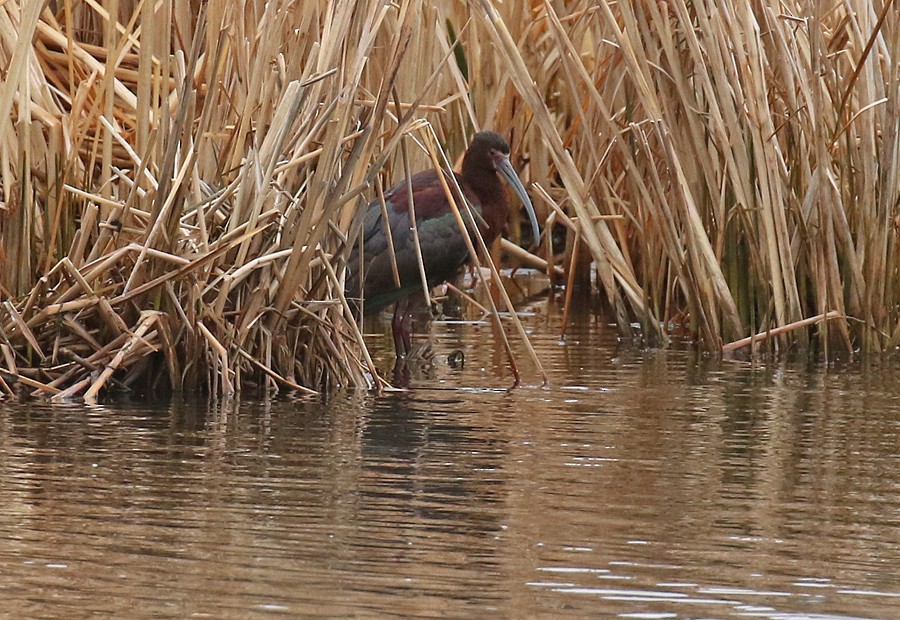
x: 444, y: 249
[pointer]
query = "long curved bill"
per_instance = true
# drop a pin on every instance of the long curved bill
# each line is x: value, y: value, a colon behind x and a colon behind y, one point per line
x: 512, y: 178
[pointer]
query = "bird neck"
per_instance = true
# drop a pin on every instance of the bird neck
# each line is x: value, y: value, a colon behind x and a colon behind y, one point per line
x: 491, y: 194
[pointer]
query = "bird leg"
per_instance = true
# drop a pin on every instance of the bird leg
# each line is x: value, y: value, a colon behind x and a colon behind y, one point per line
x: 401, y: 327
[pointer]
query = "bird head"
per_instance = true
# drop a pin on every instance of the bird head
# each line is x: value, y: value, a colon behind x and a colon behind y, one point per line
x: 489, y: 150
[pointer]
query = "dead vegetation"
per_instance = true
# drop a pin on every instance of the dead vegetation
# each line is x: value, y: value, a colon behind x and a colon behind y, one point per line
x: 178, y: 183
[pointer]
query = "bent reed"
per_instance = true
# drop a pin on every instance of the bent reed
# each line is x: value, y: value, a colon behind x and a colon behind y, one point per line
x: 180, y: 179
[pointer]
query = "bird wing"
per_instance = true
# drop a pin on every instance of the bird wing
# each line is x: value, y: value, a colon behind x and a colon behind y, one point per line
x: 444, y: 248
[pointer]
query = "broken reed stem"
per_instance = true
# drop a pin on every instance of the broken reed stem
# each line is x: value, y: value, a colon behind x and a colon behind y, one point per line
x: 147, y: 321
x: 525, y: 257
x: 469, y: 299
x: 777, y: 331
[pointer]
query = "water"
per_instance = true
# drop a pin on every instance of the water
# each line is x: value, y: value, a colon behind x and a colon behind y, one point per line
x: 640, y: 484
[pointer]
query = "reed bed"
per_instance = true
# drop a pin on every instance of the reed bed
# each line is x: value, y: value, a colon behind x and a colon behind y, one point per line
x: 180, y: 179
x: 752, y: 147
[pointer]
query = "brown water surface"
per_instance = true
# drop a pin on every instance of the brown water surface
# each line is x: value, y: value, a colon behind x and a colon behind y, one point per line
x: 640, y: 484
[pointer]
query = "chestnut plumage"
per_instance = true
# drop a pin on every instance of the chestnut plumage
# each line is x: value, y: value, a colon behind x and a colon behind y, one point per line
x: 444, y: 249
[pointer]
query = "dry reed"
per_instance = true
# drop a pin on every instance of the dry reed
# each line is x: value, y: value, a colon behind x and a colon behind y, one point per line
x: 753, y: 148
x: 179, y: 184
